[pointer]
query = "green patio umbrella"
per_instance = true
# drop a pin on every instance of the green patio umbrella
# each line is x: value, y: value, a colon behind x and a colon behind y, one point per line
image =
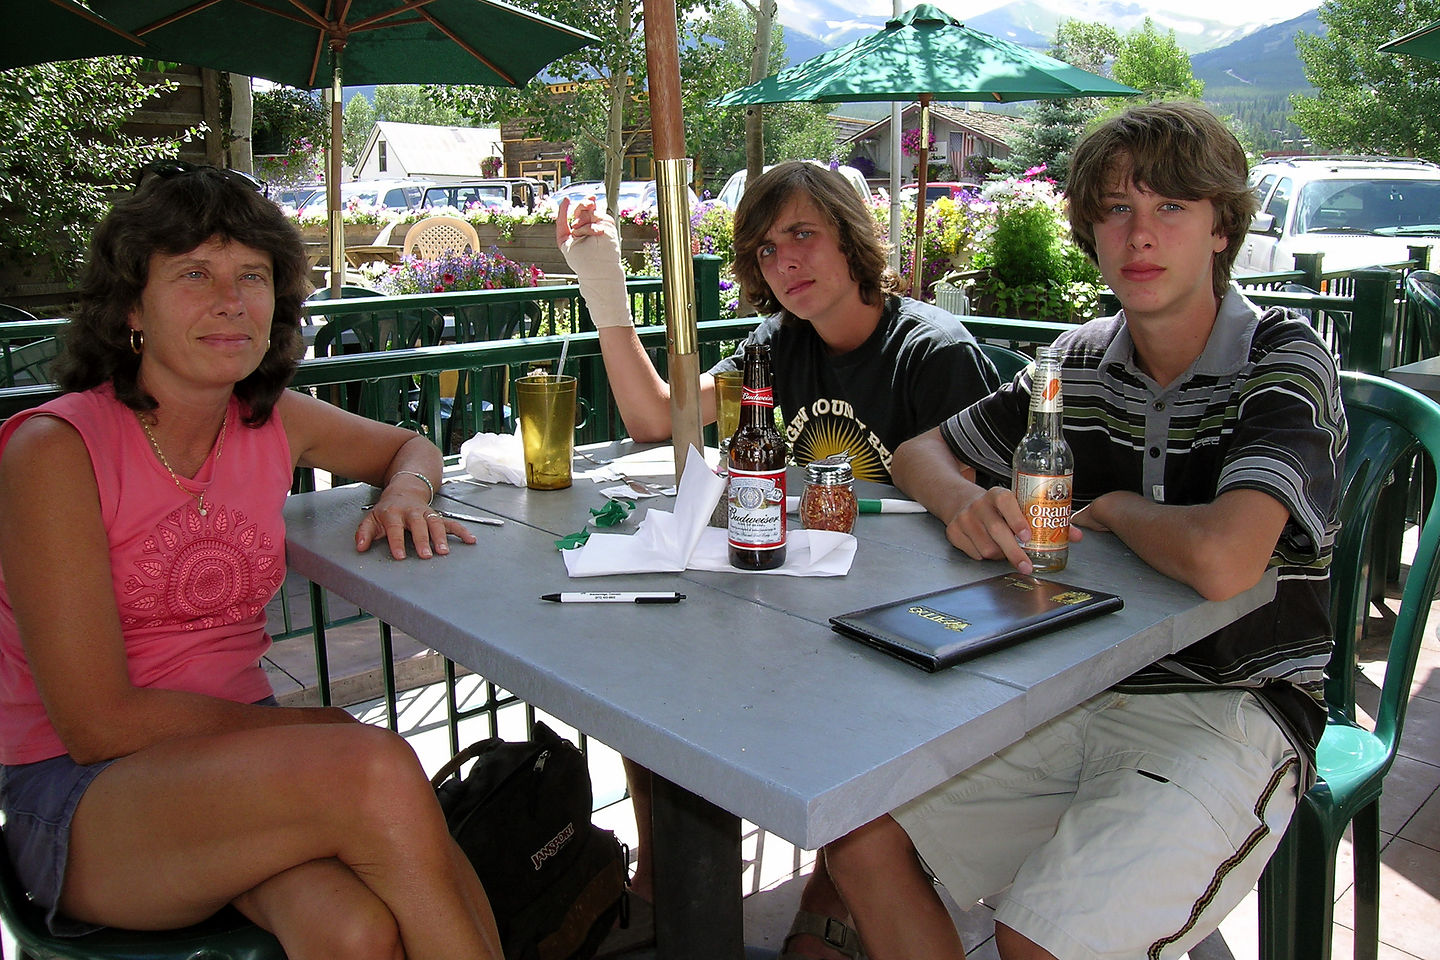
x: 927, y: 54
x: 43, y: 31
x: 310, y: 43
x: 1424, y: 43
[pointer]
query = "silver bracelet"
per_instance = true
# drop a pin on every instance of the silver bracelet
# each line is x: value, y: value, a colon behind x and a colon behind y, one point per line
x: 424, y: 479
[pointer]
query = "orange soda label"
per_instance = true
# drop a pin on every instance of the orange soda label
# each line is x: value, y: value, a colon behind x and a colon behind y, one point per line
x: 1045, y: 501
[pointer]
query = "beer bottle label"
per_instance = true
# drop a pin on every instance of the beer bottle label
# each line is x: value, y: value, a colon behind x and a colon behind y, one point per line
x: 1045, y: 501
x: 757, y: 396
x: 757, y: 508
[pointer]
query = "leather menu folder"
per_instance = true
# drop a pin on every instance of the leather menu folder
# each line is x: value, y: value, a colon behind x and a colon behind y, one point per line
x: 943, y: 628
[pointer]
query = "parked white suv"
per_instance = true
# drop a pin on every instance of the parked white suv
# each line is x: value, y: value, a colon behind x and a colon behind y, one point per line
x: 395, y: 196
x: 734, y: 188
x: 1357, y: 211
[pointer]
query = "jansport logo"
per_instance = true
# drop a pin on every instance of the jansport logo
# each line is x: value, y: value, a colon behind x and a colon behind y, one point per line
x: 538, y: 858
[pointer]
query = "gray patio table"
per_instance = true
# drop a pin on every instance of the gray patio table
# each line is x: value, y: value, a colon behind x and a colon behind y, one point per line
x: 740, y: 698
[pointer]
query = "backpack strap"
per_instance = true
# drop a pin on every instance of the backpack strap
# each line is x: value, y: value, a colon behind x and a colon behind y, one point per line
x: 454, y: 764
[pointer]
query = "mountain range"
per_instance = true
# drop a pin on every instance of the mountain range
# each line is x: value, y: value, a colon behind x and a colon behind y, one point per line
x: 1249, y: 68
x: 814, y: 26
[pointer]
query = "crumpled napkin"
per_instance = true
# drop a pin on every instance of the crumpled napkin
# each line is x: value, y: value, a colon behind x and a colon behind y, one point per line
x: 495, y: 457
x: 668, y: 542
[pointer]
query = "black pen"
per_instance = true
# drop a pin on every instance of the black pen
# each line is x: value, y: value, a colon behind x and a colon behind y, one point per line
x: 661, y: 596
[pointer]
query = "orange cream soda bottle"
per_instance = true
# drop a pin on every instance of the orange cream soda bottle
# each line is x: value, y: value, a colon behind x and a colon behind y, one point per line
x: 1044, y: 469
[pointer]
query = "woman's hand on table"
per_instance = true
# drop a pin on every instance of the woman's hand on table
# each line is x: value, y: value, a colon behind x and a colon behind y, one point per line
x: 402, y: 509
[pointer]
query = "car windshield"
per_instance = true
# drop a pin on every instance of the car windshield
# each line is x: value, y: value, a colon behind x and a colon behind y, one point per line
x: 1386, y: 207
x: 468, y: 196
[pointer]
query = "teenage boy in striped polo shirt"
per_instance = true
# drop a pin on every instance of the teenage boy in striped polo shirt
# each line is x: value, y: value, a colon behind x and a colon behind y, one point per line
x: 1208, y: 436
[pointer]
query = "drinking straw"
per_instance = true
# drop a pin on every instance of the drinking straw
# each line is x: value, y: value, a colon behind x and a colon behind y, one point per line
x: 564, y: 349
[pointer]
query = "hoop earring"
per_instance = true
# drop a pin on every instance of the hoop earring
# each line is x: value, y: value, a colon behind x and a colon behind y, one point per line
x: 137, y: 341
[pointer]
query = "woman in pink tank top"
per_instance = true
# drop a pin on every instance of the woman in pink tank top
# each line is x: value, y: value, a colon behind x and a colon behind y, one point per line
x: 148, y: 777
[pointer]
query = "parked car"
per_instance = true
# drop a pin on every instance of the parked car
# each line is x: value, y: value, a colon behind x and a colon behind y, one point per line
x: 498, y: 192
x: 636, y: 196
x: 397, y: 195
x: 1357, y: 211
x: 734, y: 188
x: 291, y: 199
x: 936, y: 189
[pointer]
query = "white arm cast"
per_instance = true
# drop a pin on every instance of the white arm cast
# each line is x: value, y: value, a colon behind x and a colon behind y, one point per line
x: 595, y: 260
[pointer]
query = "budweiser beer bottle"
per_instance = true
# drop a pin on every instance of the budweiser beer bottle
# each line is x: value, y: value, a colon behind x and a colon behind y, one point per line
x: 757, y: 471
x: 1044, y: 469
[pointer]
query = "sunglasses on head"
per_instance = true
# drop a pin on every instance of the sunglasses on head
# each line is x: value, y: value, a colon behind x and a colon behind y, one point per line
x: 167, y: 169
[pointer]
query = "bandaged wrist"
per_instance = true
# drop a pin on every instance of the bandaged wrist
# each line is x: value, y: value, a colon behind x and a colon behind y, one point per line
x: 596, y: 262
x: 607, y: 301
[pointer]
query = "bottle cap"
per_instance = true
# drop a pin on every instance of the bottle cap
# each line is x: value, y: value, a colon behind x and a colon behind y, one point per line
x: 834, y: 469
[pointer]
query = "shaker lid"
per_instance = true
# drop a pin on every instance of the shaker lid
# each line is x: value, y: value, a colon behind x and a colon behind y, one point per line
x: 832, y: 469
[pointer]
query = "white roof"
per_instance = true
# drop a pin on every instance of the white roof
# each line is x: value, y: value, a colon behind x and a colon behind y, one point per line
x: 424, y: 150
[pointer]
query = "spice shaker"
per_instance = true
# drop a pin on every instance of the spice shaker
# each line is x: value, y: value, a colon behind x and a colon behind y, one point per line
x: 828, y: 502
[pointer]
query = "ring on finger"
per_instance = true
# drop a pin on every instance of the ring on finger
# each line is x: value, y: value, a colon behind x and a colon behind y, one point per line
x: 432, y: 515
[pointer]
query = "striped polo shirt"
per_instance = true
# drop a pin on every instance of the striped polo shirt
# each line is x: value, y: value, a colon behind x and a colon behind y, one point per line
x: 1259, y: 409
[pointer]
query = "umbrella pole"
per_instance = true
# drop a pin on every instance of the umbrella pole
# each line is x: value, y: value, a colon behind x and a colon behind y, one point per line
x: 917, y: 286
x: 332, y: 179
x: 672, y: 176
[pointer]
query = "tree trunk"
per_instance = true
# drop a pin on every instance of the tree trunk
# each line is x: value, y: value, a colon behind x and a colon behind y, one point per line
x: 759, y: 67
x: 615, y: 128
x: 242, y: 117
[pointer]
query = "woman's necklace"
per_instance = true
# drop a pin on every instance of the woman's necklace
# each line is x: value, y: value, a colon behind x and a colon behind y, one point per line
x: 219, y: 449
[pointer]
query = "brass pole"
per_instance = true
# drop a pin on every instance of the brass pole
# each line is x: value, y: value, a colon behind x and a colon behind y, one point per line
x: 672, y: 169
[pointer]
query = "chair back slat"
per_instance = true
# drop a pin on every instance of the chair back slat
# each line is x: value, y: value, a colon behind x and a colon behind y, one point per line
x: 1388, y: 423
x: 428, y: 239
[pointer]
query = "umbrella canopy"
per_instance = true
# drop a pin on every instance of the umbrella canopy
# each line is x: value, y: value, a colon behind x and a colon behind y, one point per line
x: 1424, y: 43
x: 927, y: 54
x: 384, y: 41
x: 927, y: 51
x: 42, y: 31
x: 307, y: 43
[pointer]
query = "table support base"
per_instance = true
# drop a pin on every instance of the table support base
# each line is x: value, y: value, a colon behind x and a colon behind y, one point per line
x: 700, y: 918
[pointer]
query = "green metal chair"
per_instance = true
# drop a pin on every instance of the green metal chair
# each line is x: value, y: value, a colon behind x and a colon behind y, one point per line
x: 480, y: 396
x: 28, y: 363
x: 1389, y: 423
x: 1007, y: 362
x: 412, y: 402
x: 1421, y: 334
x: 225, y: 936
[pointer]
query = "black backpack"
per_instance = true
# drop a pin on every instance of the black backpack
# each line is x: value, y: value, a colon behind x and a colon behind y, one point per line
x: 522, y: 815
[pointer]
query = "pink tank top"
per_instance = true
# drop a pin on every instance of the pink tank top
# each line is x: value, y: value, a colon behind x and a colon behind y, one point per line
x: 191, y: 590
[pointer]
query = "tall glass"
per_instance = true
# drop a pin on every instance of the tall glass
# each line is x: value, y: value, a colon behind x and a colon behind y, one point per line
x: 546, y: 406
x: 728, y: 386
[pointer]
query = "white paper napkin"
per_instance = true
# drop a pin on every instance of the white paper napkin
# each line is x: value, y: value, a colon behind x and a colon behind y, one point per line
x: 495, y: 457
x: 667, y: 542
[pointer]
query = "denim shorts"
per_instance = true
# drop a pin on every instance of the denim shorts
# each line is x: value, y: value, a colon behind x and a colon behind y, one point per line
x: 39, y: 801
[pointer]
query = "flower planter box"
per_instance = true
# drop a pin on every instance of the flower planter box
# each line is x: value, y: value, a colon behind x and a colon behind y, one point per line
x: 527, y: 243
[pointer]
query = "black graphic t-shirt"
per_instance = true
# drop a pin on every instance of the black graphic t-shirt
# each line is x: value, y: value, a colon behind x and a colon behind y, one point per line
x: 919, y: 366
